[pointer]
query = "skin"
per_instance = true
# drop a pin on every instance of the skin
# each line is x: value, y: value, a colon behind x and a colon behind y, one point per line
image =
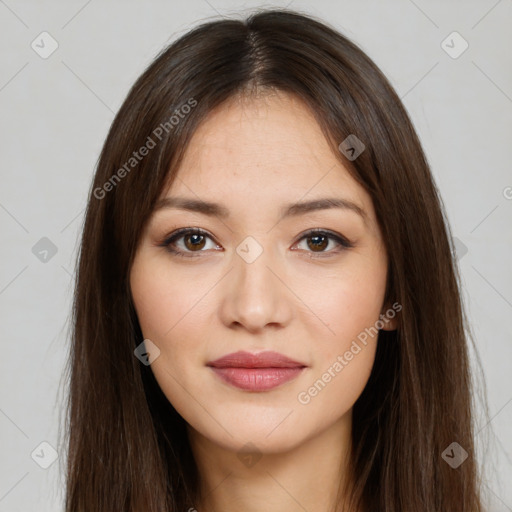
x: 308, y: 303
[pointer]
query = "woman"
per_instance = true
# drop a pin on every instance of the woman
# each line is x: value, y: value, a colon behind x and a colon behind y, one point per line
x: 267, y: 312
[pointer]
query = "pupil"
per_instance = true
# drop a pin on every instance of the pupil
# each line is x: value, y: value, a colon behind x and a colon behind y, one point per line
x: 196, y: 243
x: 317, y: 238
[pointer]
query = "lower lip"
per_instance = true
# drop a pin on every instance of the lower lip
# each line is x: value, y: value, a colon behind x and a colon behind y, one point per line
x: 257, y: 379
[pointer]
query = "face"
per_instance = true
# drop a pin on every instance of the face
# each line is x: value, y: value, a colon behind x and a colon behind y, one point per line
x: 254, y: 275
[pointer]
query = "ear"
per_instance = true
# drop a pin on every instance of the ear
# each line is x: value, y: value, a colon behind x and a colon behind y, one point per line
x: 389, y: 316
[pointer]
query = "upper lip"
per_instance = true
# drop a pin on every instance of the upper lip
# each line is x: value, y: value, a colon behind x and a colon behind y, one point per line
x: 242, y: 359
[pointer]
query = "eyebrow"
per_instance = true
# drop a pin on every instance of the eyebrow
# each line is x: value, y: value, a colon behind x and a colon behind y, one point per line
x: 292, y: 209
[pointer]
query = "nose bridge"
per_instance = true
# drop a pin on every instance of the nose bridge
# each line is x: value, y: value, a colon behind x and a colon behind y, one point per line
x: 251, y: 266
x: 255, y: 297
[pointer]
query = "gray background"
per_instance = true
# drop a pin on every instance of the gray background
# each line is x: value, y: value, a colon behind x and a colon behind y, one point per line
x: 55, y: 113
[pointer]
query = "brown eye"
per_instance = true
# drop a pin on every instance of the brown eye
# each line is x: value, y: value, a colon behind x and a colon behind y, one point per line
x: 318, y: 242
x: 194, y: 241
x: 188, y: 242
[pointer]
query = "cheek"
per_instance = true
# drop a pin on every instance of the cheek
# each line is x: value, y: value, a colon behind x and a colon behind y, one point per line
x: 347, y: 303
x: 348, y: 347
x: 344, y: 354
x: 163, y: 299
x: 171, y: 321
x: 174, y: 313
x: 332, y: 392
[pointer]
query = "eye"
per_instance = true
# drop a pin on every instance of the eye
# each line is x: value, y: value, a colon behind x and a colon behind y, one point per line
x: 318, y: 240
x: 194, y: 240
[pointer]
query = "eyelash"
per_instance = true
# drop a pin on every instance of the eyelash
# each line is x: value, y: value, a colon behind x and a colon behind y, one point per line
x: 180, y: 233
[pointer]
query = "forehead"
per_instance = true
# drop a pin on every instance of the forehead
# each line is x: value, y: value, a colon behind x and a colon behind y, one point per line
x: 263, y: 152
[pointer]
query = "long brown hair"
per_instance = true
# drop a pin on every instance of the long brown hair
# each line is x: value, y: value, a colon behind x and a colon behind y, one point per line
x: 127, y: 446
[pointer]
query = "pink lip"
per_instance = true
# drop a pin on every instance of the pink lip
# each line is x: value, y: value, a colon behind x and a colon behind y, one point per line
x: 256, y: 372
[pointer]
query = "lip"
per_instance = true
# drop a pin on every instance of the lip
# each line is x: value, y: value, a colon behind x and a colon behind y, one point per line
x: 256, y: 372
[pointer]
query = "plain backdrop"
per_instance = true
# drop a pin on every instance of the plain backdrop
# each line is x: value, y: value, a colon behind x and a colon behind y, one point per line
x: 55, y: 113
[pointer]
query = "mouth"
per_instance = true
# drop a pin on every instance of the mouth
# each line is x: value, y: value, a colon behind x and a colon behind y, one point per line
x: 256, y: 372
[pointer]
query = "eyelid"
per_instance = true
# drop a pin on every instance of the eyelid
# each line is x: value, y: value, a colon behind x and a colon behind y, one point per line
x: 343, y: 242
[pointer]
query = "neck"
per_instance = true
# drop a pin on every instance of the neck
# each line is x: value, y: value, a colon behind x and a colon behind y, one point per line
x: 306, y: 477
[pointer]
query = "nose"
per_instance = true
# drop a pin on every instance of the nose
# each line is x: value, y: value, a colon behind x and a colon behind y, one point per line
x: 255, y: 295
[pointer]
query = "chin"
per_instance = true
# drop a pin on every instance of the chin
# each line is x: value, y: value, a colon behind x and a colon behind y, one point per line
x: 264, y: 435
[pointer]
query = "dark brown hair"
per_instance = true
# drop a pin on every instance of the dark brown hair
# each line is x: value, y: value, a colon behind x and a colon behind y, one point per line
x: 127, y: 446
